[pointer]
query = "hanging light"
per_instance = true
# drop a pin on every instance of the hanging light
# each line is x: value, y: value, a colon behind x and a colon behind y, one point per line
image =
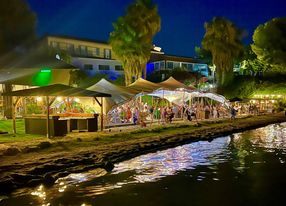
x: 59, y: 99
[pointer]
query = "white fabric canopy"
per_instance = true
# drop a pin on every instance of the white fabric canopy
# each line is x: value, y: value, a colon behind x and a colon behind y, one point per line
x: 119, y: 94
x: 180, y: 97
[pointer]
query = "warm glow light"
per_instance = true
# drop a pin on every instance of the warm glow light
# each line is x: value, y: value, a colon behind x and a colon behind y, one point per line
x: 39, y: 99
x: 273, y: 101
x: 59, y: 99
x: 77, y: 100
x: 278, y: 96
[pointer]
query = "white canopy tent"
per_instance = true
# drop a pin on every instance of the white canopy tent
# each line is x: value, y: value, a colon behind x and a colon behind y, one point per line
x: 119, y: 94
x: 181, y: 96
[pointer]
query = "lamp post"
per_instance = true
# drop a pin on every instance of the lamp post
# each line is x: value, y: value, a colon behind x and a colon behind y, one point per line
x: 213, y: 68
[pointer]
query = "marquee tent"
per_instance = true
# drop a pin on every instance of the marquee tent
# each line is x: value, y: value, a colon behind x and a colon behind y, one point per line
x: 178, y: 96
x: 172, y: 84
x: 142, y: 85
x: 118, y: 94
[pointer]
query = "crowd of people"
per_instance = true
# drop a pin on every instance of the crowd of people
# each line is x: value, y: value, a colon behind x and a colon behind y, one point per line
x: 139, y: 112
x: 135, y: 112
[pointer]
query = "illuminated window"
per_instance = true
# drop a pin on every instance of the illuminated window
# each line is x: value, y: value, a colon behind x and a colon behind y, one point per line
x: 184, y: 65
x: 107, y: 53
x: 97, y: 51
x: 156, y: 66
x: 88, y: 67
x: 170, y: 65
x: 162, y: 65
x: 55, y: 44
x: 83, y: 50
x: 118, y: 67
x: 103, y: 67
x: 190, y: 67
x: 70, y: 48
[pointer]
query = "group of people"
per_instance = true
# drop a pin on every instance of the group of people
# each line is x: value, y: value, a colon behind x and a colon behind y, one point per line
x: 138, y: 113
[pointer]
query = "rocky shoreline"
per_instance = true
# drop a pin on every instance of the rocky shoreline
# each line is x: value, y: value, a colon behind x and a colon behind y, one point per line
x: 45, y: 170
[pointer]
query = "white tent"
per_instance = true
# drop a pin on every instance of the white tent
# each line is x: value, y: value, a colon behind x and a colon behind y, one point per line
x: 119, y: 94
x: 143, y: 85
x: 180, y: 96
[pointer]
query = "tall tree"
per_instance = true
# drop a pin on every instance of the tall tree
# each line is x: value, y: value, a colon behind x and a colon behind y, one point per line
x: 17, y: 31
x: 269, y: 43
x: 250, y: 64
x: 17, y: 23
x: 223, y: 40
x: 132, y: 37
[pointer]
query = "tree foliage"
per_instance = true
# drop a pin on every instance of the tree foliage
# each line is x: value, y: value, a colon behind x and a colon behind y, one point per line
x: 203, y: 55
x: 250, y: 64
x: 223, y: 40
x: 270, y: 43
x: 17, y: 25
x: 17, y: 31
x: 132, y: 37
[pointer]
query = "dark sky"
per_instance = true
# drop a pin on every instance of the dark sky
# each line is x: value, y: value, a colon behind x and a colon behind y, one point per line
x: 182, y: 25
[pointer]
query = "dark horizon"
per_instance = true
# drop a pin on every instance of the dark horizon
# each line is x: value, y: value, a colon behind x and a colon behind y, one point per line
x: 182, y: 26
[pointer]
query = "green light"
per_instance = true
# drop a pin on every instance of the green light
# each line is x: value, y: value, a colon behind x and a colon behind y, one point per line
x: 43, y: 77
x: 45, y: 70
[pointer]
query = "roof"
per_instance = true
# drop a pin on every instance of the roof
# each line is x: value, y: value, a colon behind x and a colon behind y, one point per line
x: 57, y: 90
x: 32, y: 59
x: 143, y: 85
x: 119, y: 94
x: 76, y: 38
x: 172, y: 84
x: 164, y: 57
x: 21, y: 67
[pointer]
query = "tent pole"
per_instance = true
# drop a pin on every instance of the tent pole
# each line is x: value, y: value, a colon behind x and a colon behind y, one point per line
x: 14, y: 116
x: 14, y: 107
x: 101, y: 113
x: 48, y: 117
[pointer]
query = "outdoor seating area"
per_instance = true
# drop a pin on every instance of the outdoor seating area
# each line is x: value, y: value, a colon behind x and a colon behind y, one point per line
x: 54, y: 124
x: 71, y: 109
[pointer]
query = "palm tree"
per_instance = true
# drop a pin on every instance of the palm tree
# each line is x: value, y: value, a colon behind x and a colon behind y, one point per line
x: 132, y: 37
x: 223, y: 40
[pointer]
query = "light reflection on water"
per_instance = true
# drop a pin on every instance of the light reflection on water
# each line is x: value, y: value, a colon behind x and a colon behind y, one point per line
x: 151, y: 167
x: 237, y: 150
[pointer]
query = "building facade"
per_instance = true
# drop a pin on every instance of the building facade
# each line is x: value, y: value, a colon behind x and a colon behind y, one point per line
x: 163, y: 63
x: 91, y: 56
x: 97, y: 57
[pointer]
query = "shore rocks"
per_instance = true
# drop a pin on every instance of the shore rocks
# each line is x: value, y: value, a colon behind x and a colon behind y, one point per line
x: 48, y: 180
x: 11, y: 151
x: 108, y: 166
x: 44, y: 145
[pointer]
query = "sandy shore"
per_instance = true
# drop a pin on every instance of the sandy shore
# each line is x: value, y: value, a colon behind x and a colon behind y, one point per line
x: 30, y: 164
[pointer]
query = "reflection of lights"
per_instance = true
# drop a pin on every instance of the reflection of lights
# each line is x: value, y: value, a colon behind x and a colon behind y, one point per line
x: 273, y: 101
x: 62, y: 187
x: 59, y: 99
x: 40, y: 192
x: 39, y: 99
x: 77, y: 100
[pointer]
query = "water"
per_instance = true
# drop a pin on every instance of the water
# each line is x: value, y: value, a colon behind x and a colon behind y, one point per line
x: 247, y: 168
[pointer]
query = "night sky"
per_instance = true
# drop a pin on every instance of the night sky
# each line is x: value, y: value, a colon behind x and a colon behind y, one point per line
x: 182, y: 25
